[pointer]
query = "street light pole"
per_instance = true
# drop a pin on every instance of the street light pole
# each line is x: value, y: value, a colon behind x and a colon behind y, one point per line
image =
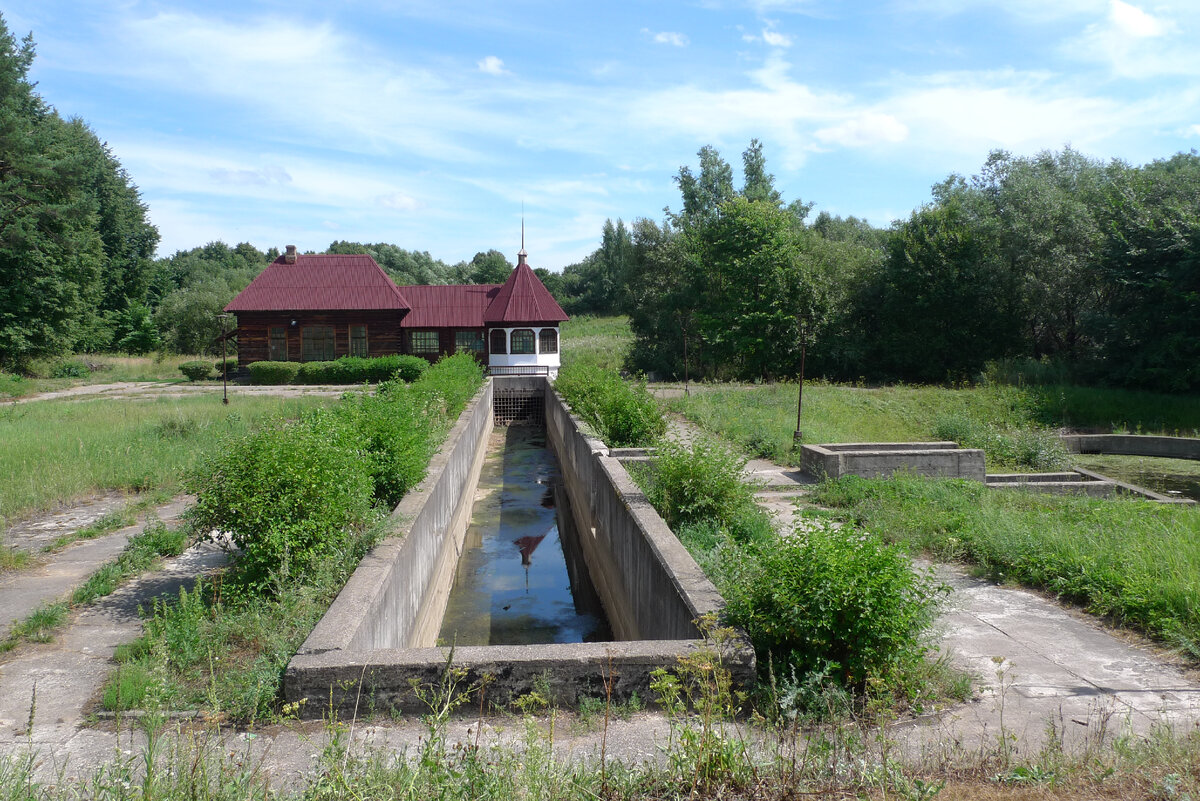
x: 224, y: 360
x: 797, y: 436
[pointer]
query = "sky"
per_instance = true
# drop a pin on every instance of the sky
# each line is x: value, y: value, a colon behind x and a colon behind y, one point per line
x: 430, y: 124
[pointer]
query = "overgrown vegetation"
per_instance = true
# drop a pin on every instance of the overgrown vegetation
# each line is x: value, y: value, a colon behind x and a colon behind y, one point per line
x: 1014, y: 425
x: 55, y: 451
x: 598, y: 341
x: 1132, y: 561
x: 824, y: 607
x: 155, y: 541
x: 302, y: 501
x: 623, y: 413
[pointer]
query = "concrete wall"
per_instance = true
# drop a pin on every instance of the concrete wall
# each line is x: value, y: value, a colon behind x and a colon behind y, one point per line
x: 882, y: 459
x: 373, y: 644
x: 1133, y: 445
x: 390, y: 600
x: 651, y: 587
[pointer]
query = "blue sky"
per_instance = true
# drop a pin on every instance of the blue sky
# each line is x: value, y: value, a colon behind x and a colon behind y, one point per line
x: 426, y: 123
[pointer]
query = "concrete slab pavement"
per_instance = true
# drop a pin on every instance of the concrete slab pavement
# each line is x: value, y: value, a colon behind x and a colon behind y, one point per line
x: 23, y: 591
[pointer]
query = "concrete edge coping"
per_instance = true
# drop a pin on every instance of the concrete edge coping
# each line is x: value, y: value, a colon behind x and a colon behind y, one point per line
x: 884, y: 447
x: 1036, y: 478
x: 550, y: 655
x: 689, y: 581
x: 1116, y: 444
x: 340, y: 623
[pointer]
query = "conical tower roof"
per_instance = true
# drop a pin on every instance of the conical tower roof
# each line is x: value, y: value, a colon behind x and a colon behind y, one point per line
x: 523, y: 298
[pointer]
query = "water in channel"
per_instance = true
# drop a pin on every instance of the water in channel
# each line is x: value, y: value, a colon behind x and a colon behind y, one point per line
x: 1178, y: 478
x: 514, y: 584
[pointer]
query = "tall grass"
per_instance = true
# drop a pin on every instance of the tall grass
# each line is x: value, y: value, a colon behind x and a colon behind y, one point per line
x: 45, y: 375
x: 297, y: 500
x: 764, y: 417
x: 1135, y: 562
x: 596, y: 341
x: 55, y: 451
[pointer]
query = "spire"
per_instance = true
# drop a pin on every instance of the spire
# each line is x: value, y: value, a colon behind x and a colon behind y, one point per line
x: 521, y: 254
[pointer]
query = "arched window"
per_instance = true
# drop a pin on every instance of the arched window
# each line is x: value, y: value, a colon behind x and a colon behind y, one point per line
x: 498, y: 341
x: 548, y: 341
x: 522, y: 341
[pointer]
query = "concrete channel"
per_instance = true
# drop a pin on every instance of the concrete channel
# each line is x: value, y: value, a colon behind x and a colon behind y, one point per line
x: 376, y: 647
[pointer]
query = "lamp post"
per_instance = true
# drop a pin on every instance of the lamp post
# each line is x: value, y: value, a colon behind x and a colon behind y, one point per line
x: 797, y: 436
x: 224, y: 360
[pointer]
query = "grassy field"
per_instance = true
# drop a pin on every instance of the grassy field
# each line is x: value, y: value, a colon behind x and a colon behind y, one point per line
x: 100, y: 369
x: 599, y: 341
x: 1135, y: 562
x: 55, y: 451
x: 1011, y: 423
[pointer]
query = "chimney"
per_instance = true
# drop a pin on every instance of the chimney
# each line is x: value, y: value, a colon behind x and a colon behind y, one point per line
x: 290, y: 256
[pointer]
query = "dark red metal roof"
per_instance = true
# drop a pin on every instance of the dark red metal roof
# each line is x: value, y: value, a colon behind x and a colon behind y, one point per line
x: 524, y: 299
x: 321, y: 282
x: 448, y: 306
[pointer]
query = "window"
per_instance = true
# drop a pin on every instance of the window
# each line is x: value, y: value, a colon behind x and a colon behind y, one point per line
x: 358, y: 340
x: 316, y: 343
x: 424, y: 342
x: 548, y: 341
x: 469, y: 341
x: 498, y: 341
x: 522, y: 340
x: 278, y: 343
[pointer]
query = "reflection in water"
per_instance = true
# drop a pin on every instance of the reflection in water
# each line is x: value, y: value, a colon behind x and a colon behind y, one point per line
x: 1172, y: 477
x: 512, y: 585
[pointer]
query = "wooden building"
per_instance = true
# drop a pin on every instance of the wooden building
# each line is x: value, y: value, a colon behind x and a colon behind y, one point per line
x: 324, y: 306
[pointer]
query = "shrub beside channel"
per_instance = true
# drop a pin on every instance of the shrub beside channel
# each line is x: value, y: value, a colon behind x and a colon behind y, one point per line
x: 302, y: 500
x: 623, y: 413
x: 824, y: 606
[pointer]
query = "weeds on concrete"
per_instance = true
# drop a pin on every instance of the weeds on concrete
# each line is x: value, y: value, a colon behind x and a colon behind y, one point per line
x: 39, y: 626
x: 1132, y: 561
x: 711, y: 754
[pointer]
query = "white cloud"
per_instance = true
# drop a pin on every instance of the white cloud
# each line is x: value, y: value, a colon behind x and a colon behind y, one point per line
x: 868, y: 128
x: 667, y: 37
x: 1135, y: 44
x: 776, y: 39
x: 398, y: 201
x: 1135, y: 22
x: 492, y: 66
x: 261, y: 176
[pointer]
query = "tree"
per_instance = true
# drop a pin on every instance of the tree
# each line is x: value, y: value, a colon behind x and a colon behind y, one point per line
x: 944, y: 305
x: 187, y: 317
x: 51, y: 253
x: 489, y: 267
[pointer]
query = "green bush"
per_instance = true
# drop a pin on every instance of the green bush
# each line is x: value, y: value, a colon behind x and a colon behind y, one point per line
x: 221, y: 365
x: 70, y: 368
x: 296, y: 493
x: 406, y: 368
x: 288, y: 495
x: 396, y: 428
x: 1021, y: 448
x: 320, y: 373
x: 701, y: 483
x: 196, y: 371
x: 453, y: 380
x: 622, y: 413
x: 833, y: 601
x: 273, y: 372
